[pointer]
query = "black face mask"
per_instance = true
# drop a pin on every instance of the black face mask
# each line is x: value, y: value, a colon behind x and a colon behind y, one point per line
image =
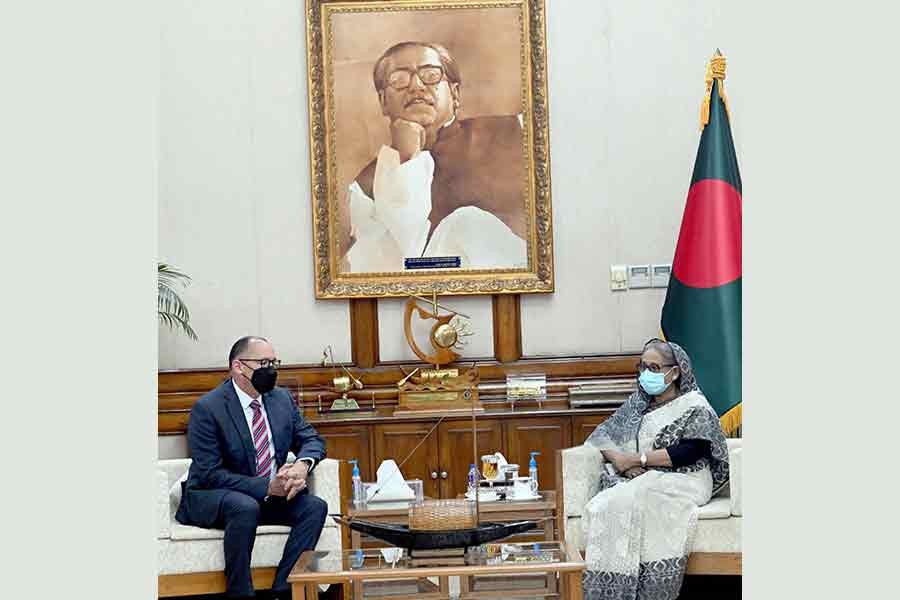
x: 263, y: 379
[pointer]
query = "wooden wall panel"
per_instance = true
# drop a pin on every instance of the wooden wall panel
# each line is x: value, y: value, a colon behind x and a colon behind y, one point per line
x: 545, y: 435
x: 364, y: 332
x: 178, y: 390
x: 507, y: 327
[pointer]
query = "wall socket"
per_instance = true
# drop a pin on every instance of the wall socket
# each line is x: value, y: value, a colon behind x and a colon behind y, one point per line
x: 660, y: 275
x: 639, y: 276
x: 618, y: 277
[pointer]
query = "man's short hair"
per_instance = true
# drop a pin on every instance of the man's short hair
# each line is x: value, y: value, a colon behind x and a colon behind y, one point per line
x: 241, y: 346
x: 451, y: 69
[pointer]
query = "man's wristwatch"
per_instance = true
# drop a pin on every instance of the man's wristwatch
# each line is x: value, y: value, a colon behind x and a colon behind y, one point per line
x: 643, y: 460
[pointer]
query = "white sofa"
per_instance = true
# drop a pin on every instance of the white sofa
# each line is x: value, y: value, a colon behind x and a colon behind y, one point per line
x: 717, y: 545
x: 191, y: 560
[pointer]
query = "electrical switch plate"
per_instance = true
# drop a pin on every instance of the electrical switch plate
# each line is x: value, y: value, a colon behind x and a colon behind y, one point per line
x: 639, y: 276
x: 618, y: 277
x: 660, y: 275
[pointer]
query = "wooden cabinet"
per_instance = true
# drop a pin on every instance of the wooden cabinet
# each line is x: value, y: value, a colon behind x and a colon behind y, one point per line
x: 396, y: 441
x: 442, y: 460
x: 584, y: 426
x: 346, y: 442
x: 455, y: 441
x: 545, y: 435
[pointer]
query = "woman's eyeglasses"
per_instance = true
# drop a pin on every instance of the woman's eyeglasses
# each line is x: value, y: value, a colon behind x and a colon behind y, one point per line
x: 652, y: 367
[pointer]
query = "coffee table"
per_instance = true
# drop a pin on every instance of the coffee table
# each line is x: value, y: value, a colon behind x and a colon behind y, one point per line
x: 391, y: 573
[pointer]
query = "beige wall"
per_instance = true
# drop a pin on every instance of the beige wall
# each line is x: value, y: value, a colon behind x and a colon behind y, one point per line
x: 625, y: 80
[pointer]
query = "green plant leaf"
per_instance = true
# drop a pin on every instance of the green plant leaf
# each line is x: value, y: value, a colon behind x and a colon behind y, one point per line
x: 171, y: 309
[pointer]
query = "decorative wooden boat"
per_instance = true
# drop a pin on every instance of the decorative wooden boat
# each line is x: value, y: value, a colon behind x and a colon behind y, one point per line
x: 411, y: 539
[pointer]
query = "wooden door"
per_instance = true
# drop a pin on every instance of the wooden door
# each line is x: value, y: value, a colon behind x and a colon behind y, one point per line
x: 456, y: 451
x: 545, y: 435
x: 346, y: 442
x: 583, y: 426
x: 396, y: 441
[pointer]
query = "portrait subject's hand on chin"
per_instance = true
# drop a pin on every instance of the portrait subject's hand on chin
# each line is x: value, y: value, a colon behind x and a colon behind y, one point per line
x: 407, y: 138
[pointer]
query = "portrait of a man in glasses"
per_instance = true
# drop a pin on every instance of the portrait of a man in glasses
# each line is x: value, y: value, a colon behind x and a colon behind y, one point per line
x: 446, y: 185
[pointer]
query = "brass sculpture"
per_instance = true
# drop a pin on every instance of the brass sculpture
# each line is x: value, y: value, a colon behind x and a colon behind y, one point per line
x: 438, y: 389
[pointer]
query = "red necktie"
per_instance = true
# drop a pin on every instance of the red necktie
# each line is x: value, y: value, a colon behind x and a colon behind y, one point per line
x: 261, y: 441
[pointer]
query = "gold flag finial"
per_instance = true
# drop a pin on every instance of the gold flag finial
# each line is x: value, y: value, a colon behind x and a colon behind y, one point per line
x: 715, y: 70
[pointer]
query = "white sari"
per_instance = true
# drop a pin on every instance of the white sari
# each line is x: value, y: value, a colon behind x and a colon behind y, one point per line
x: 639, y: 532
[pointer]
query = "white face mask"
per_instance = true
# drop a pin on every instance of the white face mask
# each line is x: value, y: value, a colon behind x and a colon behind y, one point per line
x: 654, y: 383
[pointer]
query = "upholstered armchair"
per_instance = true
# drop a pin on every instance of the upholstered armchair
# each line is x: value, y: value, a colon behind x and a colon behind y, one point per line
x: 717, y: 545
x: 191, y: 560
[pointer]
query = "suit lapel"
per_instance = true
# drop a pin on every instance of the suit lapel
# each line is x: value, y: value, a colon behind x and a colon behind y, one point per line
x: 236, y: 412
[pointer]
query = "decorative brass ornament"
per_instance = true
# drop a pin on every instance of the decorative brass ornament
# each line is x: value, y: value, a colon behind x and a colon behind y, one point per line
x: 438, y: 389
x: 342, y: 384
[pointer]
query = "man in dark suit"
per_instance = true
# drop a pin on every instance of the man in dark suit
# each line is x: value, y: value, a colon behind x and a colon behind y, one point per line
x: 239, y: 436
x: 445, y: 182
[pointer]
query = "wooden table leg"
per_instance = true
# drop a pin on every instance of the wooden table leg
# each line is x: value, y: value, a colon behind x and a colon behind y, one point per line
x: 298, y: 592
x: 572, y: 589
x: 312, y: 591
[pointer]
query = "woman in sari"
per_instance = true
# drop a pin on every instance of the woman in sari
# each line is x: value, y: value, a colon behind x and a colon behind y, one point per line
x: 665, y: 454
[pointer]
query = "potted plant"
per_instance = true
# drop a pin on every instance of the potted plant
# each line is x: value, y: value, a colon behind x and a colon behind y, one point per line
x: 172, y: 310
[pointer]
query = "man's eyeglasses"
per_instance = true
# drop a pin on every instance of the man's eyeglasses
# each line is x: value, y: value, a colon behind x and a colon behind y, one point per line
x: 263, y: 362
x: 652, y: 367
x: 428, y: 74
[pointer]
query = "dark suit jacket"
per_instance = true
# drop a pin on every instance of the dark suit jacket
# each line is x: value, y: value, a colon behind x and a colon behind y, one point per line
x: 222, y: 452
x: 478, y: 162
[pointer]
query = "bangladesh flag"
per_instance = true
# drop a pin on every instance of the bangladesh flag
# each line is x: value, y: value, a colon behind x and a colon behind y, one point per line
x: 702, y: 311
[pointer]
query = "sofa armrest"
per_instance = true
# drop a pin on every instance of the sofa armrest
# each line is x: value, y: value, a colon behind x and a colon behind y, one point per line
x: 163, y: 518
x: 581, y: 468
x: 324, y: 482
x: 735, y: 468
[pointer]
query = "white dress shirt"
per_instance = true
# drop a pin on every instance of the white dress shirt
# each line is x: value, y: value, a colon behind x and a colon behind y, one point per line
x: 245, y: 401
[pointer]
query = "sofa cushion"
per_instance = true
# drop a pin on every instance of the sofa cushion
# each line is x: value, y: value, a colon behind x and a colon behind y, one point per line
x: 718, y: 535
x: 737, y: 457
x: 189, y: 532
x: 176, y: 557
x: 717, y: 508
x: 175, y: 493
x: 163, y: 519
x: 712, y: 535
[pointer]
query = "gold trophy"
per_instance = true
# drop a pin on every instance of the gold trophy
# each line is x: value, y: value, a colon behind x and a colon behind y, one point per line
x: 436, y: 389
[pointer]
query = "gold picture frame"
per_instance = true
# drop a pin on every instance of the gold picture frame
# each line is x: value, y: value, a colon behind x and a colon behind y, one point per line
x: 373, y: 69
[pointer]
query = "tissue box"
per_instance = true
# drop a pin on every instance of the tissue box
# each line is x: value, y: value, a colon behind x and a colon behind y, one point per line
x: 415, y: 485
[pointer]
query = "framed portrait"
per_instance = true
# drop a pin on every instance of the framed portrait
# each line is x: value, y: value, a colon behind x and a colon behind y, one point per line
x: 429, y: 147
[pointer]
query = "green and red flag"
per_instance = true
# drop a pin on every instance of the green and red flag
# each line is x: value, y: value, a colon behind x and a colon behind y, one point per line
x: 702, y: 311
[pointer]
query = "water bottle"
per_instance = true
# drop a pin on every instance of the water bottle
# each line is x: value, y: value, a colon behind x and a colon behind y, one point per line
x: 359, y: 498
x: 532, y: 474
x: 473, y: 481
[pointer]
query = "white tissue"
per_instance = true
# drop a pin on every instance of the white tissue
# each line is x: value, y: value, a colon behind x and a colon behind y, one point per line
x: 390, y: 484
x: 501, y: 462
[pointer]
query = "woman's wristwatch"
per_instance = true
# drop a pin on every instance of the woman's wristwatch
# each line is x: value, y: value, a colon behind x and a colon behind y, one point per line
x: 643, y: 460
